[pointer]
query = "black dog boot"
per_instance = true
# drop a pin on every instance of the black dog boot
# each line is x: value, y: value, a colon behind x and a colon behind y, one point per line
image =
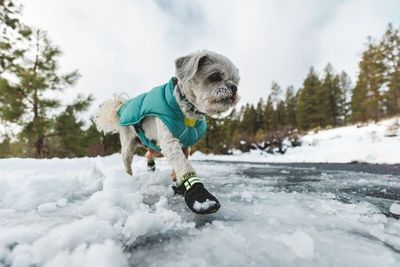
x: 151, y: 165
x: 179, y: 189
x: 197, y: 198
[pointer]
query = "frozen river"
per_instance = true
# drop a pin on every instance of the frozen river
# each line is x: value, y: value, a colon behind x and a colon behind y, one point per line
x: 87, y: 212
x: 287, y: 215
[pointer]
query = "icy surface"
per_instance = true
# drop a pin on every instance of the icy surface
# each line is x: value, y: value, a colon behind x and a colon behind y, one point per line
x: 300, y: 243
x: 88, y: 212
x: 395, y: 208
x: 369, y: 143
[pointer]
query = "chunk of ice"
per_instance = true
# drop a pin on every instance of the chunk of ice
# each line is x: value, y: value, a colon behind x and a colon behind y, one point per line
x: 395, y: 208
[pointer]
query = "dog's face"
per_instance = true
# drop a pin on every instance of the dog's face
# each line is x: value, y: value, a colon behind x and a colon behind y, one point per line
x: 209, y: 81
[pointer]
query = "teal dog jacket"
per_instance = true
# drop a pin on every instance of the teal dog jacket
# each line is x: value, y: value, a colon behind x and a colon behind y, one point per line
x: 161, y: 102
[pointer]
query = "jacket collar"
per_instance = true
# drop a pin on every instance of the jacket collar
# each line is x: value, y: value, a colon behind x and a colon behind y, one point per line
x: 185, y: 104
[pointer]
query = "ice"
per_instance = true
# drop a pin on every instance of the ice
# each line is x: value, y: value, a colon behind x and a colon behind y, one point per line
x: 65, y: 237
x: 19, y: 191
x: 300, y: 243
x: 62, y: 202
x: 329, y: 195
x: 395, y: 208
x: 143, y: 222
x: 204, y: 205
x: 247, y: 196
x: 47, y: 207
x: 88, y: 212
x: 102, y: 254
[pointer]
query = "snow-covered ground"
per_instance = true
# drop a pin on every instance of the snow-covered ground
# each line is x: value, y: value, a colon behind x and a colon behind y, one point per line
x: 341, y: 145
x: 88, y: 212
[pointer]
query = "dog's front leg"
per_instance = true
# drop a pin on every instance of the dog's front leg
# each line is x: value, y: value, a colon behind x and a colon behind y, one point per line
x: 172, y: 150
x: 197, y: 198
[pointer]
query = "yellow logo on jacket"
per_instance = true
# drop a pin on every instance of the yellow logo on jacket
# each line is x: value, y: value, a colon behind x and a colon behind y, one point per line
x: 190, y: 122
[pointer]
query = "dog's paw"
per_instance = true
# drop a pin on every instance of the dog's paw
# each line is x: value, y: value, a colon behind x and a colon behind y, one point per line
x: 151, y: 165
x: 179, y: 189
x: 200, y: 201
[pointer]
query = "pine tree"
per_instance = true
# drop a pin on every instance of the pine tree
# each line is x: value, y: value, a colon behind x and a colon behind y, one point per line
x: 367, y: 96
x: 393, y: 96
x: 326, y: 97
x: 270, y: 118
x: 249, y: 122
x: 345, y: 98
x: 29, y: 72
x: 94, y: 142
x: 69, y: 130
x: 358, y: 107
x: 276, y: 94
x: 12, y: 32
x: 290, y: 106
x: 5, y: 147
x: 308, y: 105
x: 260, y: 114
x: 281, y: 115
x: 390, y: 44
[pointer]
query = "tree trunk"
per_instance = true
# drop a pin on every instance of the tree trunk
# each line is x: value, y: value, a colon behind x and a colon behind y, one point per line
x: 398, y: 100
x: 39, y: 137
x: 39, y: 147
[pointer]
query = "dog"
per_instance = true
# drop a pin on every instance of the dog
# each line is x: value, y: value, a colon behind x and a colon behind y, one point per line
x: 170, y: 118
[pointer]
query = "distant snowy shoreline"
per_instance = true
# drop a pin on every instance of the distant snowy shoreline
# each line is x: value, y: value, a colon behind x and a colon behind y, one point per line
x: 367, y: 144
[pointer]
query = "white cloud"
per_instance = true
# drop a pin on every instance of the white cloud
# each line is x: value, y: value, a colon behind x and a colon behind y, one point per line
x: 343, y: 39
x: 130, y: 45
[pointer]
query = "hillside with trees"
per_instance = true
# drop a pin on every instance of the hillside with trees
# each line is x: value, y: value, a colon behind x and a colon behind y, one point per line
x: 325, y: 100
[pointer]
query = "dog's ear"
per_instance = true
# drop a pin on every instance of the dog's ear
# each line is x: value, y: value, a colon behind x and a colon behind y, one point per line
x: 187, y: 66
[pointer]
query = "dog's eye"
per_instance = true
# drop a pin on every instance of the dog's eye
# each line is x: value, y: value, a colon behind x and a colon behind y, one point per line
x: 215, y: 77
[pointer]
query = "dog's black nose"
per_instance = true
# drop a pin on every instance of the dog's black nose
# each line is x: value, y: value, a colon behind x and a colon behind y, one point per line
x: 233, y: 88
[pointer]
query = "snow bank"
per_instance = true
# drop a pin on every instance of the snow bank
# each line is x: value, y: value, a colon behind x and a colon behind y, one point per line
x: 78, y: 212
x: 369, y: 144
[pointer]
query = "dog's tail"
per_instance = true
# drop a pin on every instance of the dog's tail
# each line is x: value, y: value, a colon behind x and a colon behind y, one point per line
x: 106, y: 116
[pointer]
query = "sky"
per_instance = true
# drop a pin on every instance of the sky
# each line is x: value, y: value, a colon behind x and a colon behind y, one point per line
x: 130, y: 45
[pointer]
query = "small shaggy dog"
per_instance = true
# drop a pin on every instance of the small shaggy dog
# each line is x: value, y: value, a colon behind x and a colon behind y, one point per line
x: 170, y: 118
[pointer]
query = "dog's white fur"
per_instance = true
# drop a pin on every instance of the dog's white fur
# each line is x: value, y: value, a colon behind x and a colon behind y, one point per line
x: 199, y: 82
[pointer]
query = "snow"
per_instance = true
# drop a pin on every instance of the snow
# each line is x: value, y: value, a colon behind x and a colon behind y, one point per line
x: 300, y: 243
x: 74, y: 212
x: 395, y: 208
x: 339, y: 145
x: 101, y: 254
x: 162, y: 220
x: 204, y: 205
x: 88, y: 212
x: 46, y: 207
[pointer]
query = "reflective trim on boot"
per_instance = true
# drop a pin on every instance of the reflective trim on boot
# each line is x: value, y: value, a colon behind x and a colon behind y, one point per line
x: 190, y: 179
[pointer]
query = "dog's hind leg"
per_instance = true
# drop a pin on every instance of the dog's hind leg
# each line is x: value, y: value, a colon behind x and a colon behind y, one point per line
x: 127, y: 136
